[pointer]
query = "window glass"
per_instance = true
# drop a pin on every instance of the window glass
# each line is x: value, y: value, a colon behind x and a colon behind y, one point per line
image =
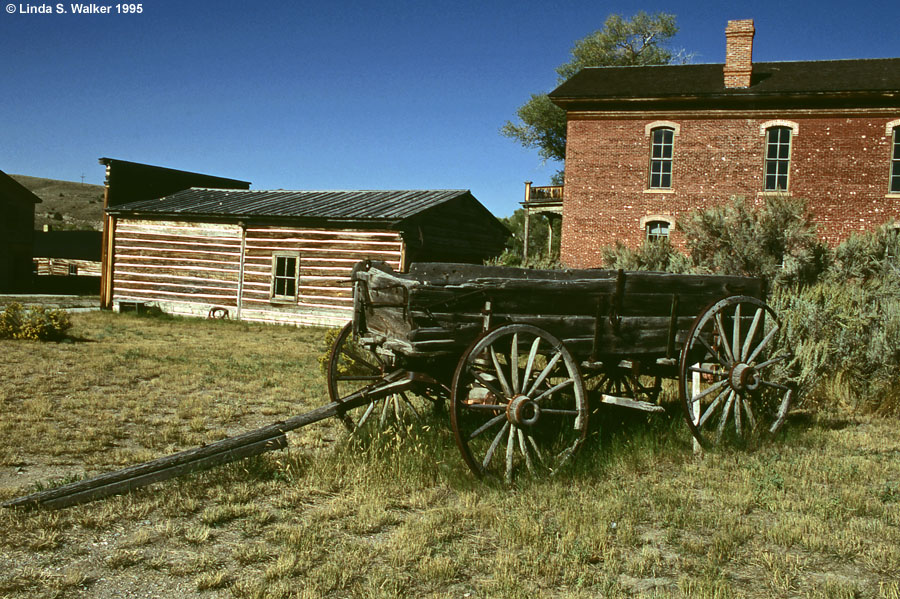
x: 657, y: 229
x: 284, y: 277
x: 661, y: 158
x: 778, y: 158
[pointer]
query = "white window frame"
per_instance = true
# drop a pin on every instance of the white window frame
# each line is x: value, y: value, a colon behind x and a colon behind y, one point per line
x: 281, y: 297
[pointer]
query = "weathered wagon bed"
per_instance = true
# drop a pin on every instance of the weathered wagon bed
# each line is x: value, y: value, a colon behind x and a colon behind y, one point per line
x: 440, y: 308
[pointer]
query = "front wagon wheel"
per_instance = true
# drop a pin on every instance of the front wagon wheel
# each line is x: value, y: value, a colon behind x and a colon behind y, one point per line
x: 354, y: 367
x: 518, y: 403
x: 732, y: 379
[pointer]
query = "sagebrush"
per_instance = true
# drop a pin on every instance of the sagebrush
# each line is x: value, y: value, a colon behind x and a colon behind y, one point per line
x: 36, y: 323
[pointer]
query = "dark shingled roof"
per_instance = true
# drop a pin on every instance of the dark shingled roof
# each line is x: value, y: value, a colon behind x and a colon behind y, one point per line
x: 383, y: 206
x: 825, y: 78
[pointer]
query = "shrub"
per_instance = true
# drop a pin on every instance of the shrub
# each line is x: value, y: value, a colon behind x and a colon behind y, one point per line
x: 37, y: 323
x: 775, y: 240
x: 868, y: 255
x: 657, y: 256
x: 845, y: 338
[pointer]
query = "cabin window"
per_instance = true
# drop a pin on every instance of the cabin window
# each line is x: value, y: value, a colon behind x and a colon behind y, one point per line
x: 657, y: 230
x: 895, y: 161
x: 661, y: 144
x: 284, y: 276
x: 778, y: 158
x: 73, y: 270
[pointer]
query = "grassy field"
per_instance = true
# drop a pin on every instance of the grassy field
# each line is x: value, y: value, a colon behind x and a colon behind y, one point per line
x: 815, y: 514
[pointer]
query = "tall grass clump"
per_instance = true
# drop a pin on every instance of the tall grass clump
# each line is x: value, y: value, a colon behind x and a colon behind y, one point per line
x: 36, y: 323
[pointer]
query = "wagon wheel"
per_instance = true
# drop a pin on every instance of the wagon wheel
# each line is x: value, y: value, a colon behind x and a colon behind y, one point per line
x: 518, y: 403
x: 730, y: 352
x: 353, y: 367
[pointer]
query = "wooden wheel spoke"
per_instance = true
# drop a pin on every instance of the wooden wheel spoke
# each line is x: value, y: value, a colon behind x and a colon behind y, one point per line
x: 410, y: 405
x: 721, y: 428
x: 485, y: 407
x: 720, y: 326
x: 711, y: 408
x: 751, y: 420
x: 775, y: 386
x: 359, y: 360
x: 524, y: 449
x: 736, y: 333
x: 514, y: 364
x: 713, y: 353
x: 762, y: 344
x: 771, y: 361
x: 711, y: 389
x: 554, y: 389
x: 489, y: 454
x: 560, y: 411
x: 534, y: 446
x: 529, y: 365
x: 510, y: 452
x: 500, y: 376
x: 750, y: 334
x: 385, y: 407
x: 487, y: 384
x: 493, y: 421
x: 701, y: 370
x: 544, y: 373
x: 365, y: 416
x: 738, y: 402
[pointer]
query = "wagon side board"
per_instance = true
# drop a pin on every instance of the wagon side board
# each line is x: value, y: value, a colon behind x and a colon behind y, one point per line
x: 601, y: 314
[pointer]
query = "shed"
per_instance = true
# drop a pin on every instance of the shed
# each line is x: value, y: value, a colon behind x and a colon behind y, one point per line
x: 16, y: 234
x: 284, y: 256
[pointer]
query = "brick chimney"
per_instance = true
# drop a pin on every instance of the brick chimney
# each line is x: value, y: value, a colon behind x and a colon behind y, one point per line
x: 739, y: 53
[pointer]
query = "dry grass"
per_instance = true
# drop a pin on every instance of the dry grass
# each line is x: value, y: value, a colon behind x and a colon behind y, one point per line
x: 815, y: 515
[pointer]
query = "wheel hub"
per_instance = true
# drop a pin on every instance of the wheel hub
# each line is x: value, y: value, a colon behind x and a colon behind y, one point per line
x: 744, y: 377
x: 523, y: 411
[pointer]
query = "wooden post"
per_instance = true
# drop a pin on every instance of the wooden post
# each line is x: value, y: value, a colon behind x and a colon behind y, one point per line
x: 527, y: 219
x: 695, y: 390
x: 240, y: 289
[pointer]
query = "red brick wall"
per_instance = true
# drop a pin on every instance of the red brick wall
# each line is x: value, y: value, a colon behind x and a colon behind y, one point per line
x: 840, y: 165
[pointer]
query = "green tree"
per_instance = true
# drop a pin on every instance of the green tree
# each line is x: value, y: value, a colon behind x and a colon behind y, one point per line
x: 640, y: 40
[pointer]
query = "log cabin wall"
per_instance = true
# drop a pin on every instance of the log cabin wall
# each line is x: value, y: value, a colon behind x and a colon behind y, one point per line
x: 184, y: 268
x: 325, y: 259
x: 201, y: 269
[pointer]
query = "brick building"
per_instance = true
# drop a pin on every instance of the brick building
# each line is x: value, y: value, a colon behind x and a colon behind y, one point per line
x: 647, y: 144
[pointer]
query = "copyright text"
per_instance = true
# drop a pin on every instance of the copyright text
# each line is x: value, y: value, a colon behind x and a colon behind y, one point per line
x: 75, y: 9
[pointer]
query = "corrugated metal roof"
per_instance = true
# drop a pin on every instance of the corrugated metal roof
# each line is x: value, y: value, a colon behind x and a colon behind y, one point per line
x: 338, y: 205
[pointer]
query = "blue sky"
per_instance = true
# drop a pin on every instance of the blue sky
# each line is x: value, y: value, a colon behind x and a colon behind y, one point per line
x: 343, y: 95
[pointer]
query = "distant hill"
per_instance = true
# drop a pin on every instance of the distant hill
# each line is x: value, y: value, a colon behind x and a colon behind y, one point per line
x: 66, y: 205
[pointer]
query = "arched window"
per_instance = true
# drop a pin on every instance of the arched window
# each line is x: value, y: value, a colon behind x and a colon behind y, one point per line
x: 662, y: 140
x: 657, y: 230
x: 895, y: 161
x: 778, y: 158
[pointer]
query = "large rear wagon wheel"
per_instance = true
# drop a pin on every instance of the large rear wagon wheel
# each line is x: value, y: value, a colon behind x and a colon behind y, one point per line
x: 353, y: 367
x: 518, y: 403
x: 732, y: 380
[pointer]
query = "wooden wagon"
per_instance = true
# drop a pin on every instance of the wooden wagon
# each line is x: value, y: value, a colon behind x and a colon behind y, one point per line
x: 522, y: 354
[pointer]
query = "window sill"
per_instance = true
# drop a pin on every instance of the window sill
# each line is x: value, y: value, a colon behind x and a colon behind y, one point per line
x: 784, y: 193
x: 893, y: 196
x: 283, y: 300
x: 669, y: 190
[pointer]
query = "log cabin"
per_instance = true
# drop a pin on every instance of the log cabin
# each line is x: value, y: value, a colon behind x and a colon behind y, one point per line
x: 283, y: 256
